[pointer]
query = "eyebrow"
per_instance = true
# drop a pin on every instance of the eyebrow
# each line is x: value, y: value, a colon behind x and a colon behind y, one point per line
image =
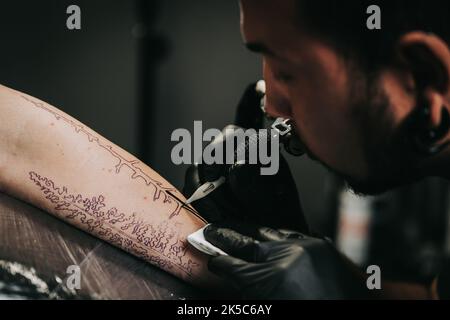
x: 259, y: 47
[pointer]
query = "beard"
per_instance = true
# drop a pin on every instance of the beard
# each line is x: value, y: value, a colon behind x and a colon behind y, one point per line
x: 387, y: 149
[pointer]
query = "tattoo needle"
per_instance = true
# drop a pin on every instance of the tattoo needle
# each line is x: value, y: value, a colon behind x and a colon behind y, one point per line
x: 205, y: 189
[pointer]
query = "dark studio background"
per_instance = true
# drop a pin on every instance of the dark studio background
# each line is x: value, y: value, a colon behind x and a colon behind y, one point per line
x: 136, y: 87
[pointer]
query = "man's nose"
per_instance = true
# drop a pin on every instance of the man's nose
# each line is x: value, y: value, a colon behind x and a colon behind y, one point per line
x: 277, y: 103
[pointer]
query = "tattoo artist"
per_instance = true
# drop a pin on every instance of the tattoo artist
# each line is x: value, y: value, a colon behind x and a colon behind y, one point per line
x: 374, y: 107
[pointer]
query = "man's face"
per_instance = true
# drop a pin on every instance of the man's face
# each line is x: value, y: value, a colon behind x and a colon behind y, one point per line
x: 346, y: 121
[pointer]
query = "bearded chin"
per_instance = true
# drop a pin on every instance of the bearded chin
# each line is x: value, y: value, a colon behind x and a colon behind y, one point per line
x: 373, y: 187
x: 390, y: 160
x: 391, y: 165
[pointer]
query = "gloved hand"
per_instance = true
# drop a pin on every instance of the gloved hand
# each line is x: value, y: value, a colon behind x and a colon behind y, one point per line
x: 247, y: 195
x: 275, y: 264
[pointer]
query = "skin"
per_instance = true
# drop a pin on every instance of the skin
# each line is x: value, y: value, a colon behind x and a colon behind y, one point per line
x: 56, y: 163
x: 348, y: 122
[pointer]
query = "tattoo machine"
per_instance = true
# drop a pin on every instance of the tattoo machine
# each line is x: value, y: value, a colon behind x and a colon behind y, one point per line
x: 245, y: 180
x: 248, y: 118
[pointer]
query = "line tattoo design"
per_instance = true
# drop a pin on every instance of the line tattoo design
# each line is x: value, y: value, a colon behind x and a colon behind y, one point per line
x: 159, y: 244
x: 167, y: 194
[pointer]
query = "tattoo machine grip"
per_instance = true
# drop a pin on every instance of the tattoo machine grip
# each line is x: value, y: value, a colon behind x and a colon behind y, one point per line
x: 269, y: 199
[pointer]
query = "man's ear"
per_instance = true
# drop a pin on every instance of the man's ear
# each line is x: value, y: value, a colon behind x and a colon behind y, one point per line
x: 427, y: 58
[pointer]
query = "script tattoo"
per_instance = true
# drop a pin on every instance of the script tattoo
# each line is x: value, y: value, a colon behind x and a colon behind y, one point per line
x: 159, y: 190
x: 159, y: 244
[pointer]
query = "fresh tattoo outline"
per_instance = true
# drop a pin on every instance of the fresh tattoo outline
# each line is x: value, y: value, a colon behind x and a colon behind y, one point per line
x: 137, y: 172
x: 150, y: 242
x: 159, y: 244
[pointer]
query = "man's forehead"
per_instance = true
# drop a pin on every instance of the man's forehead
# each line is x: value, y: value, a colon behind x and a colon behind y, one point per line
x: 263, y: 16
x: 268, y: 22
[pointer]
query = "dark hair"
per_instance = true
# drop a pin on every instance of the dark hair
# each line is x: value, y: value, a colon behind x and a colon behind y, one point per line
x: 343, y: 24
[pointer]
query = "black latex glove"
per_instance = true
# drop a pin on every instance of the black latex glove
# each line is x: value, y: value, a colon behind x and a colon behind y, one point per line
x: 219, y: 204
x: 248, y: 196
x: 276, y: 264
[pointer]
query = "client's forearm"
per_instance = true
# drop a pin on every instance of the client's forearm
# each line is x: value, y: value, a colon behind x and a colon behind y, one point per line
x: 52, y: 161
